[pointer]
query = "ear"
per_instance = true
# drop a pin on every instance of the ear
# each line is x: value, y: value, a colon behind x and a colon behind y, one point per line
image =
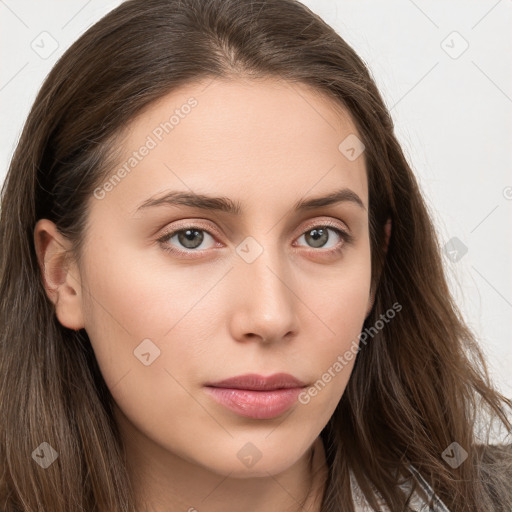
x: 387, y: 230
x: 60, y: 275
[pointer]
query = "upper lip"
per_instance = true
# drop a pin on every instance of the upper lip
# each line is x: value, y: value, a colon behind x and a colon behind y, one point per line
x: 253, y: 381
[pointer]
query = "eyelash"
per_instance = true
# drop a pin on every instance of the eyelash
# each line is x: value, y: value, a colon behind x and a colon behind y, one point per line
x: 346, y: 237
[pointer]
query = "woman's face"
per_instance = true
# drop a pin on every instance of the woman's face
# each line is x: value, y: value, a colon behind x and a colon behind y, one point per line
x: 251, y: 291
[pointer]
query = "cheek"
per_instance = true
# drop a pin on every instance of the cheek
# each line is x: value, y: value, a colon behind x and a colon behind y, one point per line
x: 338, y: 297
x: 141, y: 327
x: 132, y: 306
x: 336, y: 315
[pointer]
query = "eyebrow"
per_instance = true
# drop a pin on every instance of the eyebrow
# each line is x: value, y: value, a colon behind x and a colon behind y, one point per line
x: 227, y: 205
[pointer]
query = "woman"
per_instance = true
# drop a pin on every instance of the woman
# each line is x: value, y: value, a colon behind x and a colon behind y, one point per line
x: 221, y: 288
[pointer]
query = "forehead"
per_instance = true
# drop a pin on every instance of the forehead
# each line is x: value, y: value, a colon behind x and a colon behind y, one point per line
x: 234, y: 137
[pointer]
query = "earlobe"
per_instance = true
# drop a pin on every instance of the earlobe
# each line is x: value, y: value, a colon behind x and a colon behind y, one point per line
x: 59, y: 275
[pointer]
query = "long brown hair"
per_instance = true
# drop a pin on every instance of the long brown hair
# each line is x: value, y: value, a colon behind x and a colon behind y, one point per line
x: 417, y: 386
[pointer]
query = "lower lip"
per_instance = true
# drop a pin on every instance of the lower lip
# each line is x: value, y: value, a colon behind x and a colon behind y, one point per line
x: 259, y: 405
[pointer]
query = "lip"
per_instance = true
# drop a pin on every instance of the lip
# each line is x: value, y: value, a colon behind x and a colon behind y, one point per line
x: 255, y: 396
x: 255, y: 382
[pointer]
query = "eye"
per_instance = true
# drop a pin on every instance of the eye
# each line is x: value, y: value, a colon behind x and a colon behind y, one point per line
x: 189, y: 237
x: 318, y: 237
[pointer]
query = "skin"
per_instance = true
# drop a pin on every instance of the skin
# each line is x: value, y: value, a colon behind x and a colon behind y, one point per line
x: 294, y: 309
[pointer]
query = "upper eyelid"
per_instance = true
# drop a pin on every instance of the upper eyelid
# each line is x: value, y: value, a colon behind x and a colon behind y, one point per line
x: 328, y: 223
x: 213, y: 231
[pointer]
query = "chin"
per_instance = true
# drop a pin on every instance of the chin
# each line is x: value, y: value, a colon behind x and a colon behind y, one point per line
x: 249, y: 461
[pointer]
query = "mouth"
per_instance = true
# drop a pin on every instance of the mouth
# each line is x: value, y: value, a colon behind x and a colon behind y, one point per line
x: 255, y: 396
x: 255, y: 382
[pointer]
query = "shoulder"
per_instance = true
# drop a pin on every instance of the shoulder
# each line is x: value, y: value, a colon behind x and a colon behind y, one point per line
x: 417, y: 502
x: 495, y: 453
x: 495, y: 468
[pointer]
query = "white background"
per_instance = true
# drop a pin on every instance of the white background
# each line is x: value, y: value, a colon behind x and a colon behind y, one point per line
x: 452, y: 112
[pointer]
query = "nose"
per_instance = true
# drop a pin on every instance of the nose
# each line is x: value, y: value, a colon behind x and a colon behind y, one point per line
x: 265, y: 304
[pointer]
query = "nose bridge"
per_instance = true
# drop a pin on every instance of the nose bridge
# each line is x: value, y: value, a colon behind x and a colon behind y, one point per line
x: 267, y: 291
x: 263, y: 264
